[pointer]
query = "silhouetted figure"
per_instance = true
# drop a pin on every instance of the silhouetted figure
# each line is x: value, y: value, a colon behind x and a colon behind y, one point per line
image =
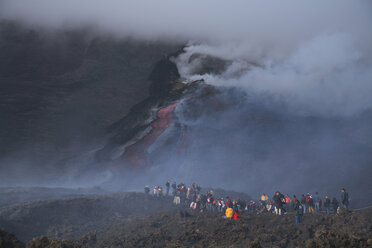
x: 279, y: 200
x: 327, y: 203
x: 174, y: 188
x: 303, y: 202
x: 147, y: 189
x: 167, y: 185
x: 293, y: 202
x: 317, y: 202
x: 298, y: 207
x: 345, y: 199
x: 160, y: 191
x: 335, y: 205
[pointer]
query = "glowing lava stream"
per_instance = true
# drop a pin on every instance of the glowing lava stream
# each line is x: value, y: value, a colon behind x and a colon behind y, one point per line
x: 136, y: 155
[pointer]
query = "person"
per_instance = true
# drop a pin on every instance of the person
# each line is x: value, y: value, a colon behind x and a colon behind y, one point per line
x: 229, y: 213
x: 327, y: 203
x: 335, y: 205
x: 303, y: 202
x: 167, y: 185
x: 177, y: 199
x: 293, y: 202
x: 236, y: 215
x: 155, y: 191
x: 264, y: 199
x: 160, y: 191
x: 344, y: 199
x: 310, y: 203
x: 287, y: 202
x: 299, y: 212
x: 278, y: 201
x: 198, y: 189
x: 174, y: 188
x: 147, y: 189
x: 193, y: 205
x: 269, y: 207
x: 243, y: 204
x: 238, y: 203
x: 228, y: 202
x: 209, y: 203
x: 317, y: 202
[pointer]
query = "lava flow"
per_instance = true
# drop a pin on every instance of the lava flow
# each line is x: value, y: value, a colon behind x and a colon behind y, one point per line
x: 136, y: 155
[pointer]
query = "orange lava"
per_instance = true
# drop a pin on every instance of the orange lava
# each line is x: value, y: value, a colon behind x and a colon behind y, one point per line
x: 136, y: 155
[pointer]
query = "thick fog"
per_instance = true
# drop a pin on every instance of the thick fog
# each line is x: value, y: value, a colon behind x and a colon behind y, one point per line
x: 305, y: 65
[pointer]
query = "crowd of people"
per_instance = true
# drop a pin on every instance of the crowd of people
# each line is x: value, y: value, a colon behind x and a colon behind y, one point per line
x: 280, y: 204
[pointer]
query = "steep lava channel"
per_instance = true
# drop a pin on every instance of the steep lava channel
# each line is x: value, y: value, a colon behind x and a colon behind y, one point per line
x: 136, y: 155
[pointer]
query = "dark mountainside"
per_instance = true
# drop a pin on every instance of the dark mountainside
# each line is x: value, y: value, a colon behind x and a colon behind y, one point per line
x: 60, y: 90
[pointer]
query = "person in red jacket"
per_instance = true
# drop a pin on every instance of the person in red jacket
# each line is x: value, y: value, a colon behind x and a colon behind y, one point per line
x: 236, y: 215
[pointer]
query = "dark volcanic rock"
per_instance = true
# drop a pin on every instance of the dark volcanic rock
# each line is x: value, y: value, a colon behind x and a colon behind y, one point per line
x: 210, y: 230
x: 44, y: 242
x: 60, y: 90
x: 8, y: 240
x: 73, y: 217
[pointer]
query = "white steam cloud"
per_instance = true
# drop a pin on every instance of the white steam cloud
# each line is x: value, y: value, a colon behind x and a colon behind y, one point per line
x: 327, y: 75
x: 316, y: 54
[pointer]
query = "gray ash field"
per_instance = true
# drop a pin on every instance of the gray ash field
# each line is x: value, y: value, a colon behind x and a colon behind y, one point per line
x: 137, y: 220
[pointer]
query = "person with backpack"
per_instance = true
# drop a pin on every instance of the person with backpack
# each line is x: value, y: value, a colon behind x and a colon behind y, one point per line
x: 298, y: 207
x: 167, y: 185
x: 344, y: 199
x: 335, y: 205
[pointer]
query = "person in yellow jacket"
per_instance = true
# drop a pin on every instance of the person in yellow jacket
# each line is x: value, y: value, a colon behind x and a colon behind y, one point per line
x: 264, y: 199
x: 229, y: 213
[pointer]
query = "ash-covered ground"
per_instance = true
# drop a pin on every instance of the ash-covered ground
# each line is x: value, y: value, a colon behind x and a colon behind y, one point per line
x: 139, y: 220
